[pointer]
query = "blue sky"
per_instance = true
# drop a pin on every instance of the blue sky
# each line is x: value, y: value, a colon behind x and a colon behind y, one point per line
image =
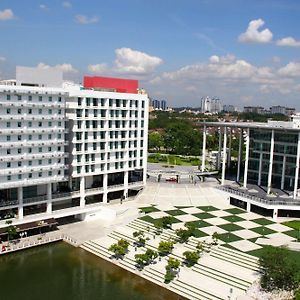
x: 246, y: 52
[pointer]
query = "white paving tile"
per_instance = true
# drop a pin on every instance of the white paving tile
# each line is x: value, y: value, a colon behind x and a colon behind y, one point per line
x: 186, y: 218
x: 158, y: 214
x: 244, y: 245
x: 212, y: 229
x: 216, y: 221
x: 247, y: 234
x: 191, y: 210
x: 247, y: 224
x: 220, y: 213
x: 280, y: 237
x: 279, y: 227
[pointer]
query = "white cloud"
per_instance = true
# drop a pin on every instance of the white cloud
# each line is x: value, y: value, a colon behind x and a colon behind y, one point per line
x: 2, y: 58
x: 135, y: 62
x: 98, y: 68
x: 6, y: 14
x: 66, y: 68
x: 67, y: 4
x: 288, y: 42
x: 84, y: 20
x: 44, y: 7
x: 253, y: 35
x: 292, y: 69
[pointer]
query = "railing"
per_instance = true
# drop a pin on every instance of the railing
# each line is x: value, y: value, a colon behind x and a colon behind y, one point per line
x: 96, y: 189
x: 136, y: 183
x: 35, y: 199
x: 259, y: 199
x: 9, y: 203
x: 110, y: 187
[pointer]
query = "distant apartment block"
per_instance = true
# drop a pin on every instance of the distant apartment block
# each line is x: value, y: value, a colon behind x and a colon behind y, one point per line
x: 211, y: 105
x: 158, y: 104
x: 254, y: 109
x: 282, y: 110
x: 68, y: 150
x: 229, y: 108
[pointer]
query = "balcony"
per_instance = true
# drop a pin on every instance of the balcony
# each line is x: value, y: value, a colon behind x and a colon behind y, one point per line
x: 8, y: 203
x: 41, y: 198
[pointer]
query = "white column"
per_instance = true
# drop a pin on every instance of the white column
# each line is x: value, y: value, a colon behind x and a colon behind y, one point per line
x: 297, y: 168
x: 49, y: 198
x: 82, y: 191
x: 203, y: 149
x: 248, y: 207
x: 125, y: 183
x: 246, y: 158
x: 275, y: 214
x: 224, y: 156
x: 105, y: 188
x: 270, y: 163
x: 229, y: 149
x: 240, y: 156
x: 283, y: 172
x: 20, y: 200
x: 260, y: 168
x: 220, y: 149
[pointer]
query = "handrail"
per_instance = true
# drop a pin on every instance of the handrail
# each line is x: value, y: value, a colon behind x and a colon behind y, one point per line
x: 259, y: 199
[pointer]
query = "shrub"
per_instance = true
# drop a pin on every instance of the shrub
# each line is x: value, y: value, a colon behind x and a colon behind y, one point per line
x: 191, y: 258
x: 165, y: 248
x: 120, y: 248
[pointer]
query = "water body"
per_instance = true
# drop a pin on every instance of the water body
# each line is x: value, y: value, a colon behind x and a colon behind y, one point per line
x: 62, y: 272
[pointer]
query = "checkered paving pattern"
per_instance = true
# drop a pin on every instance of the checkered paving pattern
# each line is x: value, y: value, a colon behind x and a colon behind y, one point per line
x: 236, y: 228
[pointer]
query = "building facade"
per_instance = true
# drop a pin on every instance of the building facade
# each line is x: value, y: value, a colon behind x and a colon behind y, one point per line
x: 65, y: 150
x: 211, y: 105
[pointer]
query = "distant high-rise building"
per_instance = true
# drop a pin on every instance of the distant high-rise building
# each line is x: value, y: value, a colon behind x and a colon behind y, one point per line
x: 282, y: 110
x: 159, y: 104
x: 229, y: 108
x: 210, y: 105
x: 254, y: 109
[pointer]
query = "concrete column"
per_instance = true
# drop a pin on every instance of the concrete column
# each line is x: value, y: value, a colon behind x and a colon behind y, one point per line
x: 229, y: 149
x: 126, y: 184
x: 275, y: 213
x: 49, y: 198
x: 224, y: 156
x: 20, y: 200
x: 297, y: 168
x: 246, y: 158
x: 105, y: 177
x: 260, y: 168
x: 240, y: 156
x: 104, y: 199
x: 248, y: 208
x: 270, y: 163
x: 82, y: 192
x: 283, y: 172
x: 219, y: 150
x: 203, y: 149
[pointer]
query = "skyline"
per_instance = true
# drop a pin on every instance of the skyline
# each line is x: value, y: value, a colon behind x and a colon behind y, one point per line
x: 180, y: 51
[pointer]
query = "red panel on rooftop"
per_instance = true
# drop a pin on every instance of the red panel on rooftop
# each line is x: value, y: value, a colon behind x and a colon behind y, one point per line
x: 118, y: 84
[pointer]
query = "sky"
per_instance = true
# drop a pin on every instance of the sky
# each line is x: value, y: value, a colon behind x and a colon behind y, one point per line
x: 245, y: 52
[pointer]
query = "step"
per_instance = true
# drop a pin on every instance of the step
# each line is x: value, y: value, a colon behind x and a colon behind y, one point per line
x: 245, y: 256
x: 195, y: 292
x: 218, y: 277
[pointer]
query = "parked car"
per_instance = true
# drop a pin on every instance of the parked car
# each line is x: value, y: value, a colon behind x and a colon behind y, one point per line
x: 171, y: 179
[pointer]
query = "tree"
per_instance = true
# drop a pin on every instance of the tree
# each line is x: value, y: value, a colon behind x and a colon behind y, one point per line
x: 191, y: 258
x: 166, y: 221
x: 200, y: 247
x: 278, y: 269
x: 141, y: 241
x: 146, y: 258
x: 183, y: 234
x: 120, y: 248
x: 11, y: 230
x: 215, y: 237
x: 165, y: 247
x: 155, y: 141
x: 171, y: 269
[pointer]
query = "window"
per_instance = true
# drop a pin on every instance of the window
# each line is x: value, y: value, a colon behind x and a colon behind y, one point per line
x: 19, y: 111
x: 40, y: 124
x: 40, y: 136
x: 8, y: 111
x: 19, y: 97
x: 30, y: 175
x: 40, y: 161
x: 8, y: 124
x: 50, y: 173
x: 59, y: 111
x: 50, y: 111
x: 29, y: 150
x: 49, y: 161
x: 40, y: 174
x: 29, y: 111
x: 19, y: 137
x: 40, y: 149
x: 19, y: 124
x: 30, y: 137
x: 49, y: 124
x: 29, y: 163
x: 8, y: 177
x: 7, y: 97
x: 19, y: 164
x: 8, y: 137
x: 8, y: 151
x: 49, y: 136
x: 8, y: 165
x: 59, y: 99
x: 29, y: 98
x: 40, y: 98
x: 49, y: 149
x: 40, y: 111
x: 19, y: 151
x: 50, y: 99
x: 30, y: 124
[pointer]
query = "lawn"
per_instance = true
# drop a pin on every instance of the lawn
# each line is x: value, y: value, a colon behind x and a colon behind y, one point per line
x: 293, y: 224
x: 204, y: 215
x: 148, y: 209
x: 233, y: 218
x: 229, y: 237
x: 263, y: 221
x: 175, y: 212
x: 231, y: 227
x: 208, y: 208
x: 174, y: 159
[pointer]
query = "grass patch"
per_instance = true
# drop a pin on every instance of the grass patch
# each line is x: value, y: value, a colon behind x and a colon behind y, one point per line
x: 204, y: 215
x: 208, y: 208
x: 233, y: 218
x: 181, y: 207
x: 173, y: 220
x: 148, y: 209
x: 198, y: 233
x: 175, y: 212
x: 263, y: 221
x: 292, y: 224
x: 199, y: 224
x: 293, y: 233
x: 148, y: 219
x: 229, y: 237
x: 229, y: 247
x: 262, y: 230
x: 235, y: 211
x: 230, y: 227
x: 253, y: 240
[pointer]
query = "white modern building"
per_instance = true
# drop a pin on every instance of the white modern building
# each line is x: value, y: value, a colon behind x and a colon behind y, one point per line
x: 69, y: 150
x: 211, y: 105
x: 267, y: 165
